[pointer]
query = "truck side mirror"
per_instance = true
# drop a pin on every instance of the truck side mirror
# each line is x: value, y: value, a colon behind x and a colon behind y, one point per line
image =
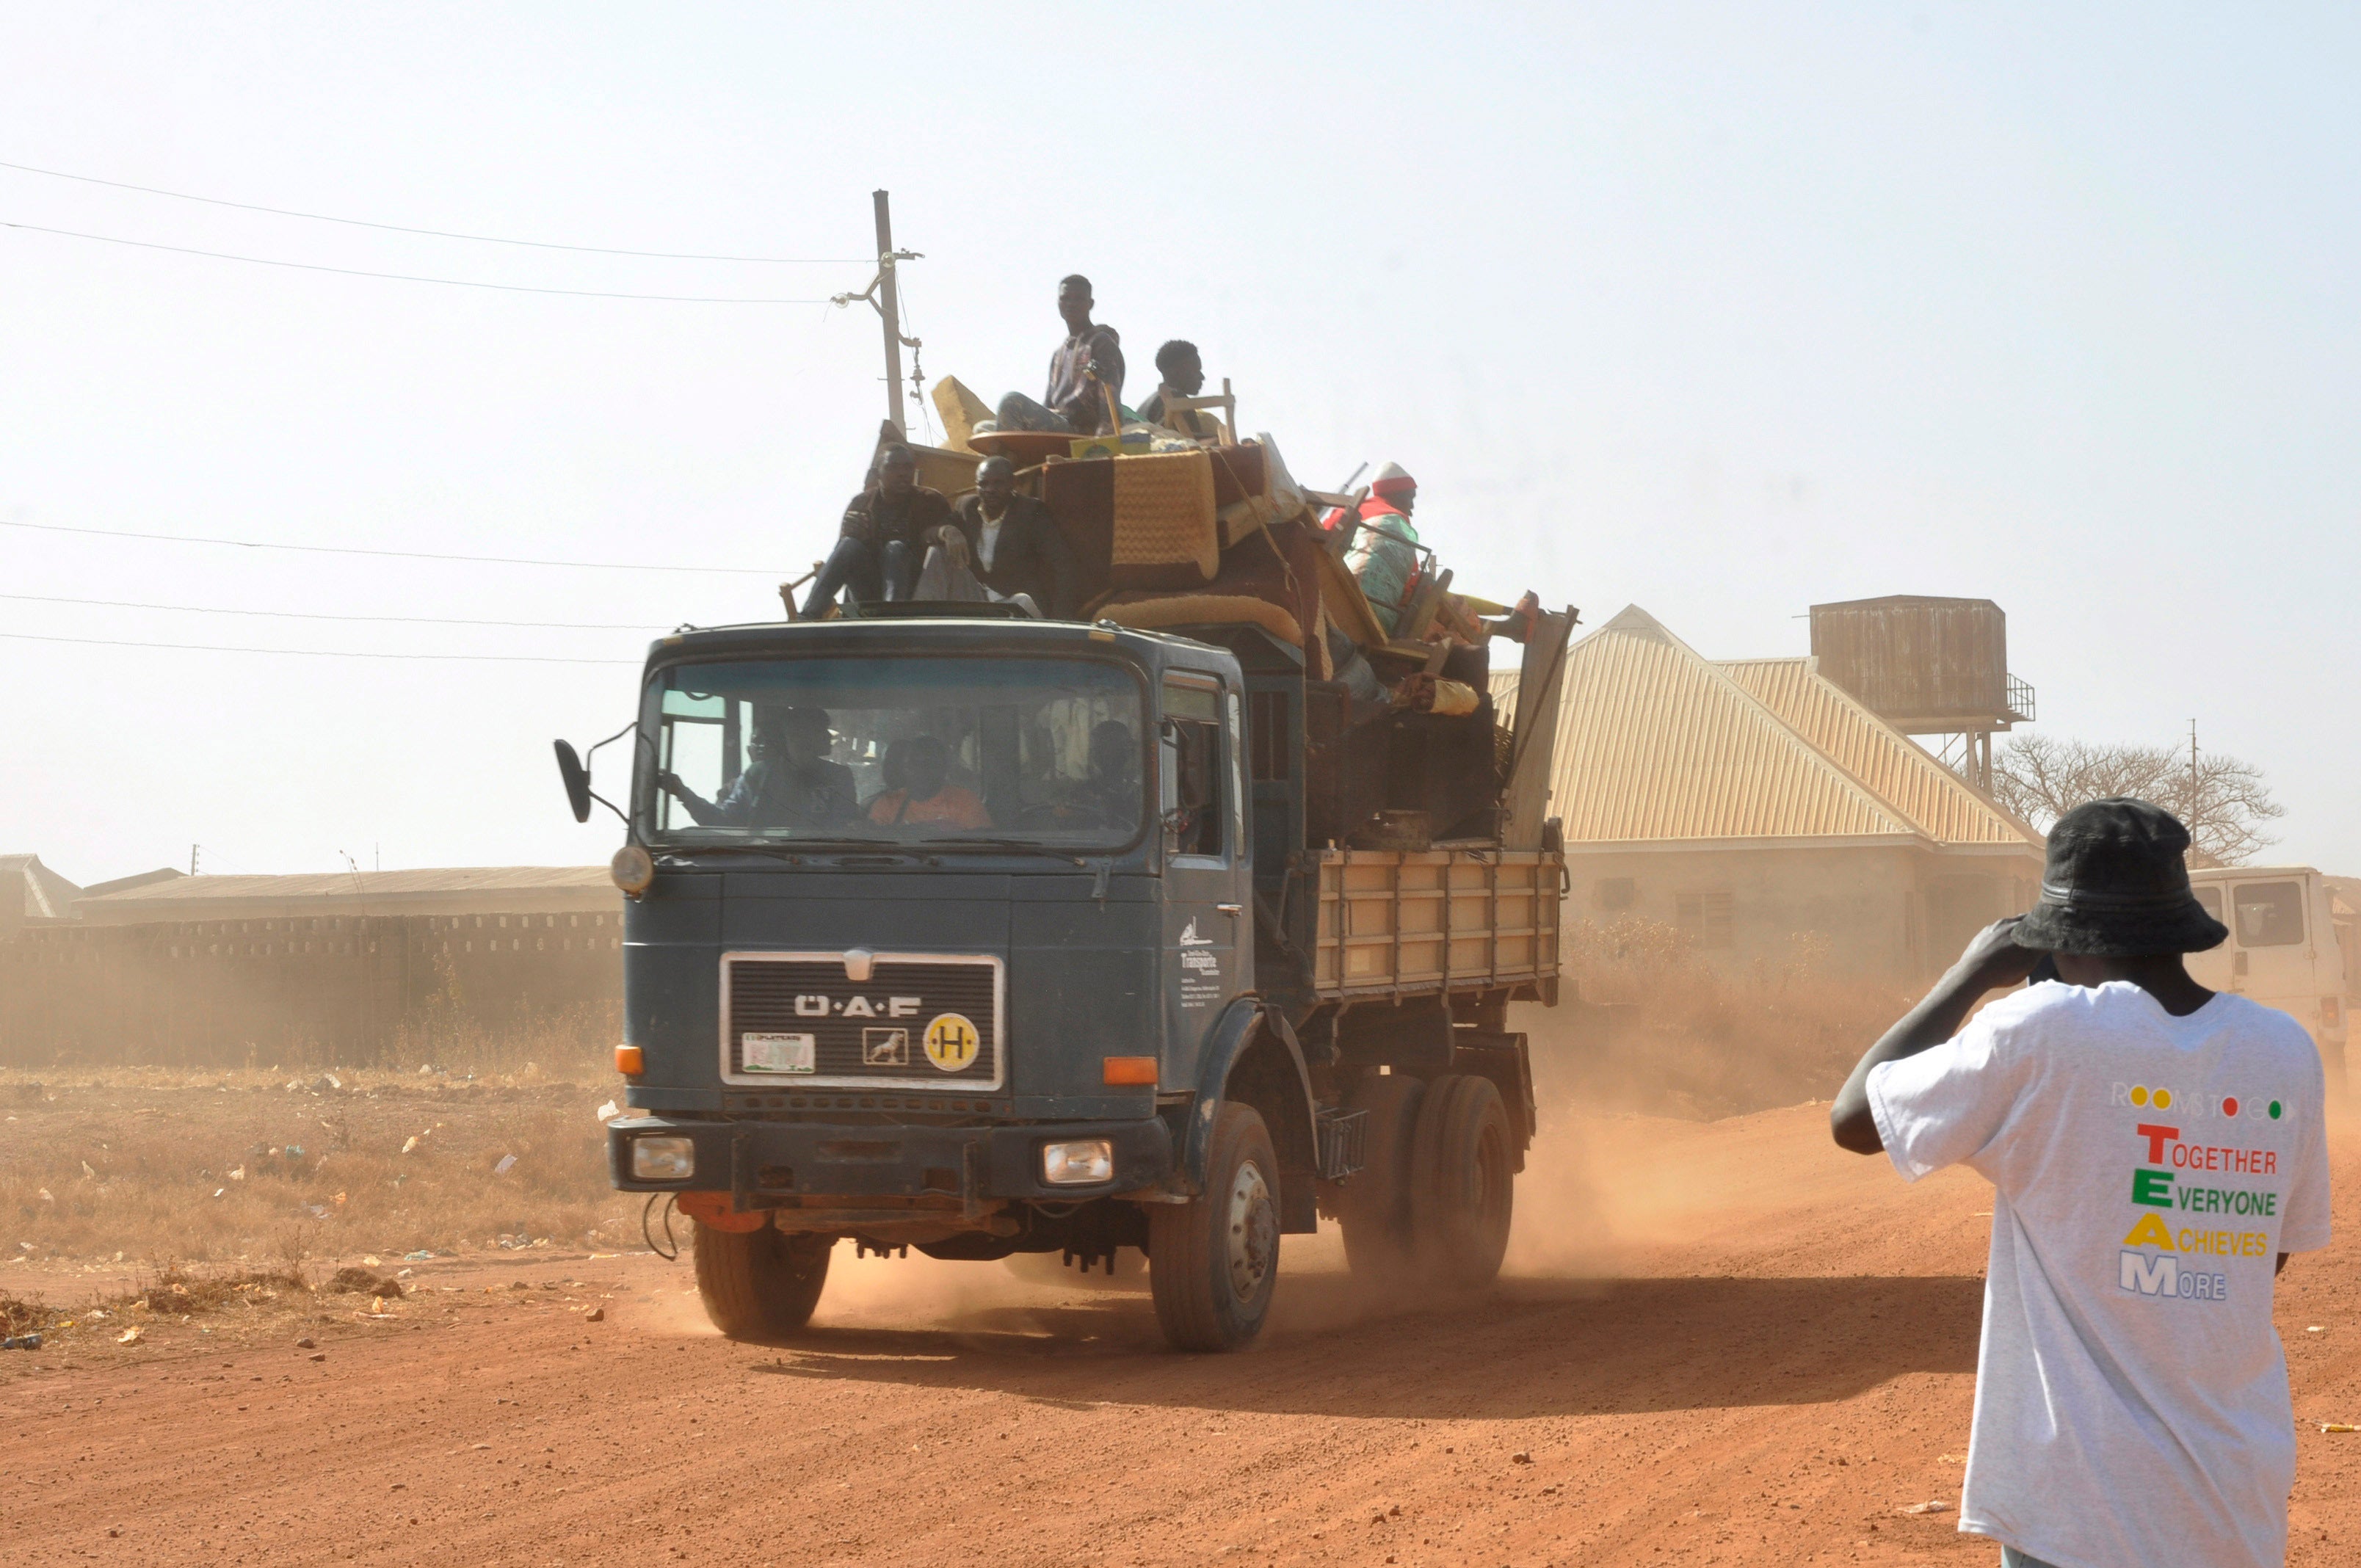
x: 577, y: 780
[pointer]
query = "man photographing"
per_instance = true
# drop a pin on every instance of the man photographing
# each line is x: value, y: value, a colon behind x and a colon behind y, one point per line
x: 2152, y: 1146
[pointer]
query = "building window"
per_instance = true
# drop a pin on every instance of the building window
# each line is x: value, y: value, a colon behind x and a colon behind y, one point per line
x: 1704, y: 914
x: 1615, y: 893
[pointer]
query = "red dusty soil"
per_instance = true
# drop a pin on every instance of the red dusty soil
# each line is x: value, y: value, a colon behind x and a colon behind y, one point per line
x: 1721, y: 1343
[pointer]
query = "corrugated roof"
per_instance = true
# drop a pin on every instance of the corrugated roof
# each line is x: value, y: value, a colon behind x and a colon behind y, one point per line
x: 1899, y: 772
x: 476, y: 879
x: 1656, y: 743
x: 31, y: 891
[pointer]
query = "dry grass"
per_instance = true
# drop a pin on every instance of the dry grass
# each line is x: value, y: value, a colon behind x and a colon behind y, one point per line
x: 221, y: 1166
x: 1658, y: 1030
x: 176, y: 1292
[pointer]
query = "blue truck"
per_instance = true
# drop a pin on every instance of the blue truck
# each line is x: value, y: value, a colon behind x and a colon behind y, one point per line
x: 956, y: 929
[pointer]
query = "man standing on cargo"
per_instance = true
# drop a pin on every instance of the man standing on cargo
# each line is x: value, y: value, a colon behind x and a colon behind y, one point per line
x: 2152, y: 1146
x: 1084, y: 373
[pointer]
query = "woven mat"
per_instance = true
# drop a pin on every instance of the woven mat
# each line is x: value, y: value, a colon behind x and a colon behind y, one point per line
x: 1165, y: 529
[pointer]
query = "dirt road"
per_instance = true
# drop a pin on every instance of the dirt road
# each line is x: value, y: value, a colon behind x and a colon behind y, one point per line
x: 1721, y: 1343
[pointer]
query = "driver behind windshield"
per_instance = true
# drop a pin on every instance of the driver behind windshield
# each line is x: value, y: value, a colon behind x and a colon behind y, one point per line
x: 789, y: 782
x: 918, y: 788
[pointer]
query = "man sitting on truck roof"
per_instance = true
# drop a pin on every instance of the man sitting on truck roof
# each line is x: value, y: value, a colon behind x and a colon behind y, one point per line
x: 1014, y: 547
x: 790, y: 783
x: 918, y: 774
x: 1183, y: 371
x: 885, y: 528
x: 1086, y: 371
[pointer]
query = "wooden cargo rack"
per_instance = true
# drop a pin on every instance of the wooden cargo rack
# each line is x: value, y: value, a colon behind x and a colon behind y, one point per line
x: 1396, y: 923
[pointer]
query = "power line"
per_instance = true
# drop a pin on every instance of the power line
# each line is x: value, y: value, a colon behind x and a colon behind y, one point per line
x: 407, y: 277
x: 316, y: 615
x: 446, y: 233
x: 313, y: 652
x: 396, y: 554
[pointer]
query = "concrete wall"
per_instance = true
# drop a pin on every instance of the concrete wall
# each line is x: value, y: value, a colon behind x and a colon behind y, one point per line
x: 1896, y: 912
x: 322, y: 988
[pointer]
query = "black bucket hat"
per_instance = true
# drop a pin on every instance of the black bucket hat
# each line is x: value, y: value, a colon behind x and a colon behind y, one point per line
x: 2117, y: 886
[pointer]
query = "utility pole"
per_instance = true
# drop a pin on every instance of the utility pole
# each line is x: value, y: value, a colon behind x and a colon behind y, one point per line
x: 193, y: 860
x: 883, y: 296
x: 889, y: 305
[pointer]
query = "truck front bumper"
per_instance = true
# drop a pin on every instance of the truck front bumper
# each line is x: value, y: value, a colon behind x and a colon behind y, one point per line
x: 774, y: 1164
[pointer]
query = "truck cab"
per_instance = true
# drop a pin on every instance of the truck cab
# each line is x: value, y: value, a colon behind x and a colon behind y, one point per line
x: 944, y: 933
x: 2283, y: 951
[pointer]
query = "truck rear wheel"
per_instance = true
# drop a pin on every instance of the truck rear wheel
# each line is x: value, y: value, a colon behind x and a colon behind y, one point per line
x: 1213, y: 1263
x: 1373, y: 1203
x: 1462, y: 1186
x: 759, y: 1283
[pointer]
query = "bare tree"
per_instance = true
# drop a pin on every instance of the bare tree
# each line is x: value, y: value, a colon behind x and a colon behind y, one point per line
x: 2222, y: 801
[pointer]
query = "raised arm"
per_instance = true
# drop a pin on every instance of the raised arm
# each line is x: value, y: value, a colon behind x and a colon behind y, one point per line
x: 1992, y: 960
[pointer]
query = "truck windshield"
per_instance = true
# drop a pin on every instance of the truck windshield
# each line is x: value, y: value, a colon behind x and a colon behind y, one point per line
x: 899, y: 751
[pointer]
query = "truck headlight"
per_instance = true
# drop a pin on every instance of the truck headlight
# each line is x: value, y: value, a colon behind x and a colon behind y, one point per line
x: 633, y: 869
x: 663, y: 1159
x: 1085, y: 1163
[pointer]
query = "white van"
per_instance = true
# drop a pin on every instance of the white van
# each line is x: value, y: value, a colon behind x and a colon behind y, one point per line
x: 2283, y: 949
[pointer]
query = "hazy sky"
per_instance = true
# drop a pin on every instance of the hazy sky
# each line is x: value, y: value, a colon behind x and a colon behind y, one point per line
x: 1721, y: 310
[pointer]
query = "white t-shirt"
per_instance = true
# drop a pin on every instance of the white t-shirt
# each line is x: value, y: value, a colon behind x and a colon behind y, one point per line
x: 2131, y: 1394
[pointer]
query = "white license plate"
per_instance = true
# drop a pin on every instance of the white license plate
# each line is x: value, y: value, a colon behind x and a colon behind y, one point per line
x: 778, y: 1053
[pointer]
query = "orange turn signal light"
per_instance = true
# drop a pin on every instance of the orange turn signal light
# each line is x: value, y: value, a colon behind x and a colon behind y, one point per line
x: 1131, y: 1070
x: 629, y: 1060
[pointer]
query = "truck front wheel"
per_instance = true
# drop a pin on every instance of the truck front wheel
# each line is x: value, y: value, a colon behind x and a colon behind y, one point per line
x: 759, y: 1283
x: 1213, y: 1263
x: 1462, y: 1181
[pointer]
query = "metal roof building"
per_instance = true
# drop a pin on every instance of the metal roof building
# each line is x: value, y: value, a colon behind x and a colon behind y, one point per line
x: 30, y: 892
x: 1752, y: 801
x: 466, y: 889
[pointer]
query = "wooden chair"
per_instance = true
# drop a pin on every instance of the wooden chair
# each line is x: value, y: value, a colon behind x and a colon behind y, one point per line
x: 1174, y: 403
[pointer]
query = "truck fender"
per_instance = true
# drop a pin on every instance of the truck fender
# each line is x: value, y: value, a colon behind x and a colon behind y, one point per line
x: 1253, y: 1052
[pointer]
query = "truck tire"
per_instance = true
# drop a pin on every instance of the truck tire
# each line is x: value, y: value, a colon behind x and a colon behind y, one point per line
x: 1213, y: 1263
x: 1461, y: 1182
x: 1373, y: 1203
x: 761, y: 1284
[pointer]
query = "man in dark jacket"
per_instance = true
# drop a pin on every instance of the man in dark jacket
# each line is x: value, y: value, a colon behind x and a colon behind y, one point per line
x: 886, y: 527
x: 1014, y: 546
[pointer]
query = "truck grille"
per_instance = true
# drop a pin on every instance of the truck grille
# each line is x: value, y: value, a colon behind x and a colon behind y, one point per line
x: 791, y: 1019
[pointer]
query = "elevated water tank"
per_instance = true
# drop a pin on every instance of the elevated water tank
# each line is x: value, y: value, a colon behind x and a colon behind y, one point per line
x: 1927, y: 666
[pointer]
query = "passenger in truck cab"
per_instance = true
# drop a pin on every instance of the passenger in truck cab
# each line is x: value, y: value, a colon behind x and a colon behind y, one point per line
x: 1112, y: 791
x: 918, y: 790
x: 788, y: 781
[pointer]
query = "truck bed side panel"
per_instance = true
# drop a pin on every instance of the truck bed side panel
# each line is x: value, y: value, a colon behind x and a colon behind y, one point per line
x: 1396, y: 923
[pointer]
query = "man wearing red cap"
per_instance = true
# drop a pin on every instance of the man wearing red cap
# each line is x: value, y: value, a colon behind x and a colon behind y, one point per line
x: 1383, y: 555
